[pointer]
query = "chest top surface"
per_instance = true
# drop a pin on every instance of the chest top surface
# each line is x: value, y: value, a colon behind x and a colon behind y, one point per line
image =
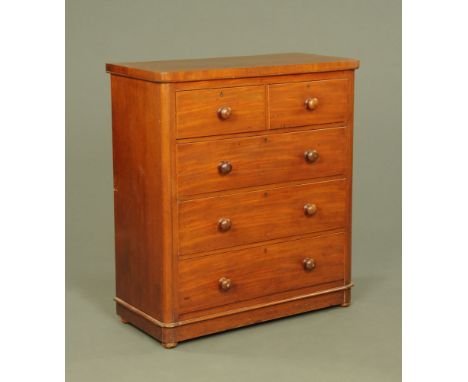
x: 231, y: 67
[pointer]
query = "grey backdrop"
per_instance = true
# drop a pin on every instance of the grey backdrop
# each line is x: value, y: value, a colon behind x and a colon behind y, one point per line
x: 360, y: 343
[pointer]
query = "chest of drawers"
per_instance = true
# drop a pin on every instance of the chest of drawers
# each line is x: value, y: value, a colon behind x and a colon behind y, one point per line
x: 232, y: 190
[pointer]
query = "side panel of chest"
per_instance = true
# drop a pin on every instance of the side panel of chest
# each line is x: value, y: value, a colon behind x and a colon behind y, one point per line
x: 142, y: 168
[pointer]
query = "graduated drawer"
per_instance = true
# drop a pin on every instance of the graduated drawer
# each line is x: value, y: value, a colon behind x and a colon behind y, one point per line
x: 265, y: 159
x: 245, y: 274
x: 224, y: 221
x: 220, y: 111
x: 307, y: 103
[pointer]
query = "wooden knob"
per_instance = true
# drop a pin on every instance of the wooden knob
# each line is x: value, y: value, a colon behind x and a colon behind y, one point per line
x: 310, y: 209
x: 224, y: 167
x: 224, y: 284
x: 224, y: 224
x: 309, y: 264
x: 311, y: 156
x: 224, y: 112
x: 311, y: 103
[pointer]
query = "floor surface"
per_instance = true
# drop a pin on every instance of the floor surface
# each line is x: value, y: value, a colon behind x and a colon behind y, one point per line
x: 358, y: 343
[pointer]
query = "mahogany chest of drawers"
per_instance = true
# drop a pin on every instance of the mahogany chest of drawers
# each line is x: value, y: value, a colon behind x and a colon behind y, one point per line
x: 232, y: 190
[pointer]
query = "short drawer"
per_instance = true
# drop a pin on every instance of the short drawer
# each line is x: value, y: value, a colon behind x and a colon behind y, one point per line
x: 265, y: 159
x: 308, y: 103
x: 248, y: 217
x: 220, y: 111
x: 241, y: 275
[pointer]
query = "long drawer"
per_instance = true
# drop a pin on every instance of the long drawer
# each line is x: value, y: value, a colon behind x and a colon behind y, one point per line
x: 265, y: 159
x: 260, y: 271
x: 248, y: 217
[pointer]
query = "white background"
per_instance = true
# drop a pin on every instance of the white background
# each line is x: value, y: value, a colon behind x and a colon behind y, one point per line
x: 32, y: 183
x: 435, y: 191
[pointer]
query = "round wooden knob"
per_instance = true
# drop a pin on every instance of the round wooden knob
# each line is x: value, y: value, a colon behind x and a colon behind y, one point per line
x: 310, y: 209
x: 224, y: 224
x: 311, y: 103
x: 311, y: 156
x: 224, y: 284
x: 224, y: 112
x: 309, y: 264
x: 224, y: 167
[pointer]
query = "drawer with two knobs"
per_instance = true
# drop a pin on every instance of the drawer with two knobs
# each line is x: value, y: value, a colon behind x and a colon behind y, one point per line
x: 245, y: 274
x: 219, y: 222
x: 227, y: 164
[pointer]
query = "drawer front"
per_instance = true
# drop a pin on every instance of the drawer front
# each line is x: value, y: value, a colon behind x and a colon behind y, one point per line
x: 326, y: 100
x: 260, y: 271
x: 225, y: 221
x: 242, y: 162
x: 220, y: 111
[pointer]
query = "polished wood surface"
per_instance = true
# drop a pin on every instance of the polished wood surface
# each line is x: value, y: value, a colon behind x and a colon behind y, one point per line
x: 197, y: 111
x: 232, y: 67
x: 138, y: 171
x: 232, y: 190
x: 256, y: 316
x: 288, y: 103
x: 259, y: 160
x: 233, y: 320
x: 260, y: 215
x: 259, y: 271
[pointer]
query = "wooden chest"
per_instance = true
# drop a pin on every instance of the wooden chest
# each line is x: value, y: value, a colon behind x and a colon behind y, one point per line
x: 232, y: 190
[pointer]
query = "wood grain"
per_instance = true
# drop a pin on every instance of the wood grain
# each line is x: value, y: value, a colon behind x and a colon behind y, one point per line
x: 260, y: 215
x: 259, y: 271
x: 141, y: 210
x: 197, y: 111
x: 232, y: 67
x: 287, y: 103
x: 259, y: 160
x: 256, y: 316
x: 257, y: 81
x: 349, y: 193
x: 232, y: 321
